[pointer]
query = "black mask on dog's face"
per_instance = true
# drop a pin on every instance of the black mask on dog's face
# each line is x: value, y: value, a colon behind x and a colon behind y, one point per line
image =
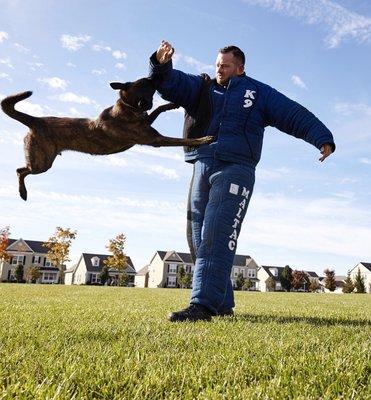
x: 138, y: 94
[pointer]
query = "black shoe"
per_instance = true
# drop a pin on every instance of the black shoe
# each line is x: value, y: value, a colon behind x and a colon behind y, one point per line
x: 226, y: 313
x: 195, y: 312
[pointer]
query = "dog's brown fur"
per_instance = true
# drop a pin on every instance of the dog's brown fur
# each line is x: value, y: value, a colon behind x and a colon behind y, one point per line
x: 116, y: 129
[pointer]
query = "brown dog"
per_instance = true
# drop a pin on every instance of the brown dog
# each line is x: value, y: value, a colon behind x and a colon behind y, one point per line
x: 116, y: 129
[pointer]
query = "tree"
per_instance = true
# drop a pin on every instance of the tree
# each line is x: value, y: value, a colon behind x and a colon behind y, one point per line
x: 348, y: 284
x: 59, y: 249
x: 33, y: 274
x: 359, y: 283
x: 240, y: 281
x: 248, y: 284
x: 330, y: 282
x: 299, y: 279
x: 118, y: 260
x: 314, y: 285
x: 270, y: 284
x: 4, y: 243
x: 18, y: 273
x: 184, y: 279
x: 286, y: 278
x: 104, y: 275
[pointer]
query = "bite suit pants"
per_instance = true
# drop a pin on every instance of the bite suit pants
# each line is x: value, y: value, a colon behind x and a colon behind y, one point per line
x: 218, y: 199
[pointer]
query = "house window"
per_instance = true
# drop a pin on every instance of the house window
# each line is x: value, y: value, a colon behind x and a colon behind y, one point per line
x: 95, y: 278
x: 235, y: 272
x: 17, y: 260
x: 37, y: 259
x: 251, y: 273
x: 171, y: 281
x: 172, y: 268
x: 274, y: 271
x: 48, y: 263
x: 95, y: 261
x: 49, y: 277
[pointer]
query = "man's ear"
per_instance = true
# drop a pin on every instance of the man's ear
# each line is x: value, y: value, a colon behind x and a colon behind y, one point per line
x: 120, y: 86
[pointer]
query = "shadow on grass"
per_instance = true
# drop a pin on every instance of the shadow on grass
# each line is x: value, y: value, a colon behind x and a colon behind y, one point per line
x: 317, y: 321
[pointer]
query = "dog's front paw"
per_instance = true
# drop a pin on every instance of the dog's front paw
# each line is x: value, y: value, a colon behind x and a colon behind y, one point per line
x: 207, y: 139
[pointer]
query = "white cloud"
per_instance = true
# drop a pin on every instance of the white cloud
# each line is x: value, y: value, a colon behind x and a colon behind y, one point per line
x: 31, y: 108
x: 99, y: 72
x: 120, y: 66
x: 70, y: 97
x: 99, y: 47
x: 6, y: 61
x: 365, y: 160
x: 74, y: 112
x: 340, y: 23
x: 322, y: 225
x: 119, y: 54
x: 3, y: 36
x: 74, y: 43
x: 71, y: 65
x: 21, y: 48
x: 54, y: 82
x: 196, y: 64
x: 159, y: 152
x: 296, y: 80
x: 346, y: 108
x: 3, y: 75
x: 34, y: 65
x: 12, y: 137
x: 112, y: 161
x: 166, y: 173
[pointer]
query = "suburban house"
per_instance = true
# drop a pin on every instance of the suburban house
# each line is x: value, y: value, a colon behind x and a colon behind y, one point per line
x: 28, y: 253
x: 89, y: 267
x: 164, y: 268
x: 365, y: 269
x: 265, y: 272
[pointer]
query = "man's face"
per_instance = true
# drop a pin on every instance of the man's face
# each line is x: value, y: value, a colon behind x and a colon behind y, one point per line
x: 226, y: 66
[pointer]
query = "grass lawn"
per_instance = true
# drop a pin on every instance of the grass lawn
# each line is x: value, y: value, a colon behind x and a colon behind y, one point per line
x: 69, y: 342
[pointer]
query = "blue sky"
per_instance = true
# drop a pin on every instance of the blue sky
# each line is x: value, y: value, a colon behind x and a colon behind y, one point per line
x: 303, y: 213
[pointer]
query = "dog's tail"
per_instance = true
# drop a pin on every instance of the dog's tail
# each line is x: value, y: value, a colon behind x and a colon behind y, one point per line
x: 8, y: 104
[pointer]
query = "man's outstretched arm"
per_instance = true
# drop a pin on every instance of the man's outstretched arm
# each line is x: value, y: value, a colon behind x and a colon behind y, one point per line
x: 173, y: 85
x: 294, y: 119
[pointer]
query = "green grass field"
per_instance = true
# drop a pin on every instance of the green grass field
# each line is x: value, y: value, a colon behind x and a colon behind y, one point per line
x: 63, y: 342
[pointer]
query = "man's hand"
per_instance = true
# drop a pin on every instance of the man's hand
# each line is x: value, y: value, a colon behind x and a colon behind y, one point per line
x: 326, y: 150
x: 164, y: 52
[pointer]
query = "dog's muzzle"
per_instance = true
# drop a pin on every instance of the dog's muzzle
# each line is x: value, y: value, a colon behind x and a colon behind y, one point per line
x: 144, y: 104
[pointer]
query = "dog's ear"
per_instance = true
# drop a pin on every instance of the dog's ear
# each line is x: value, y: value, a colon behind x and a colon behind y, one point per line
x: 120, y: 86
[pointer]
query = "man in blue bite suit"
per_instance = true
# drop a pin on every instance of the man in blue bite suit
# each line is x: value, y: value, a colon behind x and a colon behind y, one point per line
x: 235, y: 109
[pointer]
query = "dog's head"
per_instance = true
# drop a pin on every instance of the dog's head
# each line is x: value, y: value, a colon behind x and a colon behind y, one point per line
x: 138, y: 94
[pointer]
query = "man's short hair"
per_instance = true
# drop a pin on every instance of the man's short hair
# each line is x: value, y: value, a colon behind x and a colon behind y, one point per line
x: 237, y: 53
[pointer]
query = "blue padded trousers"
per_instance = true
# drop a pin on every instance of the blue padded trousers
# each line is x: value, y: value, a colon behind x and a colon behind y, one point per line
x: 218, y: 199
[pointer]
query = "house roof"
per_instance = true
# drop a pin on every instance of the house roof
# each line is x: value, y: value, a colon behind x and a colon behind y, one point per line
x: 312, y: 274
x: 239, y: 260
x: 366, y: 265
x: 267, y: 270
x: 90, y: 268
x: 35, y: 245
x: 143, y: 271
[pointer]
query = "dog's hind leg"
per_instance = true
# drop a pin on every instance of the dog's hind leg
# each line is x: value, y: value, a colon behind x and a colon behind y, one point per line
x: 22, y: 173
